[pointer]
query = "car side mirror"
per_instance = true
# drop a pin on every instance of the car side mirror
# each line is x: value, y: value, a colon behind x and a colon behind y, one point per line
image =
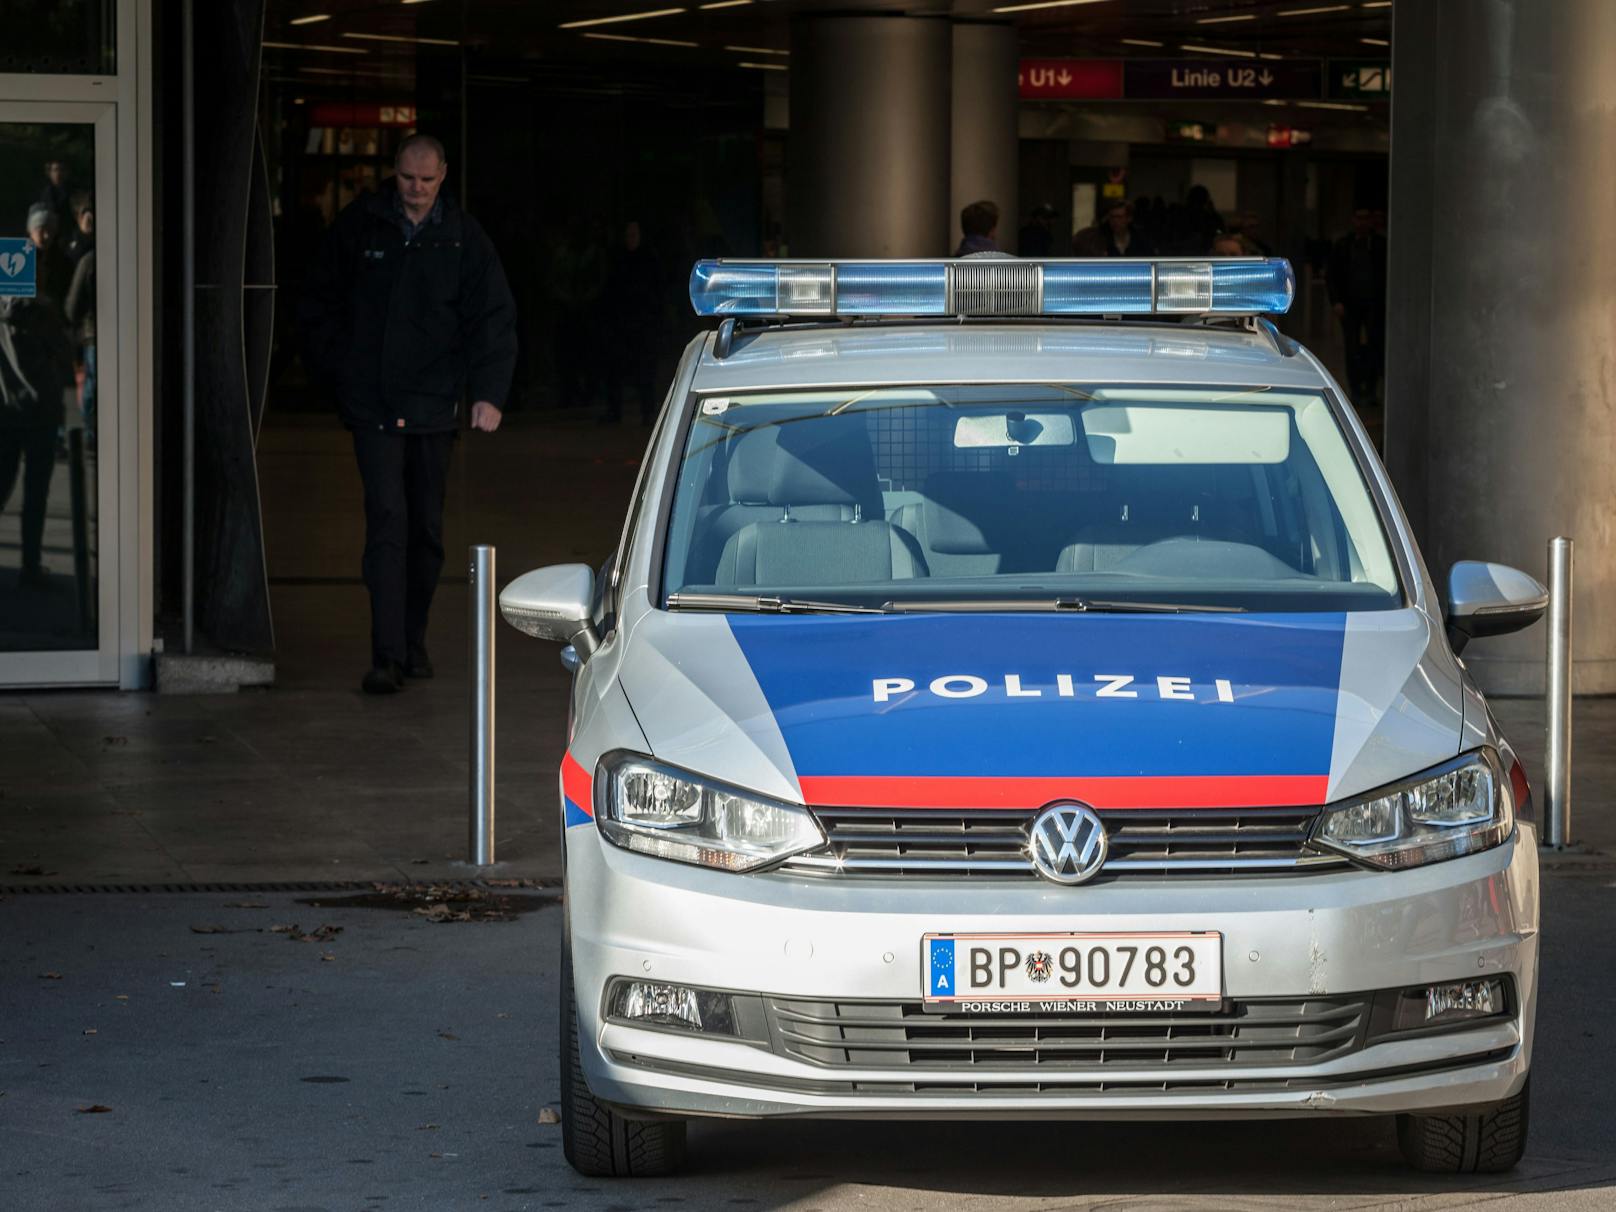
x: 1491, y: 599
x: 553, y: 603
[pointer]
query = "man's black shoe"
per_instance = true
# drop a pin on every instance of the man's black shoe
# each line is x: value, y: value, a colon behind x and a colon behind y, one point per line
x: 418, y: 664
x: 383, y: 679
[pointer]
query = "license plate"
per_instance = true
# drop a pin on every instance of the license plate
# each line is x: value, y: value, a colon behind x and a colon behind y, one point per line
x: 1083, y: 973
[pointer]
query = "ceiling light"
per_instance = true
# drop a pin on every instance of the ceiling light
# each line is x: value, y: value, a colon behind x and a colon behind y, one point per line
x: 655, y: 12
x: 1225, y: 20
x: 1375, y: 41
x: 1217, y: 50
x: 310, y: 20
x: 756, y: 50
x: 1141, y: 42
x: 1021, y: 8
x: 402, y: 38
x: 1313, y: 12
x: 1379, y: 4
x: 724, y: 4
x: 313, y: 46
x: 764, y: 67
x: 1357, y: 109
x: 632, y: 38
x: 1266, y: 55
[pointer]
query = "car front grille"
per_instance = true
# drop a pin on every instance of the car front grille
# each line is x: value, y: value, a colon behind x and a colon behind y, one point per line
x: 992, y: 842
x: 894, y: 1035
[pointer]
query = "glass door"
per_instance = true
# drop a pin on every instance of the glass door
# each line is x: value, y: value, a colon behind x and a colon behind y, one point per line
x: 58, y: 397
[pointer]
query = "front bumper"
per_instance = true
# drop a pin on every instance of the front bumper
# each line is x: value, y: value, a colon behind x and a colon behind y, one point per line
x: 1318, y: 935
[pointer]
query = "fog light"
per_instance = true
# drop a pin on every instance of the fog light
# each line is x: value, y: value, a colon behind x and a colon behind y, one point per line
x: 654, y: 1004
x: 1450, y: 1003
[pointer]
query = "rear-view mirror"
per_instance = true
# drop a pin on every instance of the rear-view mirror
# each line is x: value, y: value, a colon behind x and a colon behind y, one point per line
x: 553, y: 603
x: 1491, y: 599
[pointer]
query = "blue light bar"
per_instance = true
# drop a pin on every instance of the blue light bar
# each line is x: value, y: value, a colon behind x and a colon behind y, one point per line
x: 993, y: 286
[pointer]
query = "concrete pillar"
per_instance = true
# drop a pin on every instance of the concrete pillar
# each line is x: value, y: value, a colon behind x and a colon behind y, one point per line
x: 869, y: 152
x: 1501, y: 381
x: 985, y: 136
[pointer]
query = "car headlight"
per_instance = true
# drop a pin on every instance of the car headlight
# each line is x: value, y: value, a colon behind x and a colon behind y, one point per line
x: 1457, y: 808
x: 673, y: 814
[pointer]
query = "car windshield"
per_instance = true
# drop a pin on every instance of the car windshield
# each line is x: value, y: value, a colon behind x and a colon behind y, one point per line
x: 1024, y: 497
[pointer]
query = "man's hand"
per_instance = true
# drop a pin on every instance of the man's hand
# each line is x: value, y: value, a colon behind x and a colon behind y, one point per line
x: 485, y: 416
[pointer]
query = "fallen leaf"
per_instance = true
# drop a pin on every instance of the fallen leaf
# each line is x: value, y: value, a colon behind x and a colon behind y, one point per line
x: 114, y: 740
x: 120, y: 997
x: 326, y: 957
x: 321, y: 935
x: 447, y: 1035
x: 210, y: 930
x: 427, y: 1128
x: 548, y: 1115
x: 419, y: 862
x: 502, y: 1014
x: 89, y: 1031
x: 93, y: 1109
x: 247, y: 905
x: 50, y: 976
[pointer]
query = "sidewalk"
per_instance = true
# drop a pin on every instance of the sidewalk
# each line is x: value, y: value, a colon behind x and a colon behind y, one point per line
x: 312, y: 780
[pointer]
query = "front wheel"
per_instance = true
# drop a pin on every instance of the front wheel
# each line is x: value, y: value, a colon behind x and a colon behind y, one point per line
x: 598, y: 1141
x: 1486, y: 1142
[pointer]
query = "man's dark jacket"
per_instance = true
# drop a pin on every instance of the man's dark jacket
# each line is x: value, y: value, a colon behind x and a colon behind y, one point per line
x: 402, y: 329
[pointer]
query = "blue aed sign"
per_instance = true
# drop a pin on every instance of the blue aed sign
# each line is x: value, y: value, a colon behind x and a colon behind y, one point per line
x: 18, y: 261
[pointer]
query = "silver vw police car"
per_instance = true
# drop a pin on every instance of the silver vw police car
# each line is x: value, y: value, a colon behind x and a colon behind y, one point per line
x: 1017, y: 693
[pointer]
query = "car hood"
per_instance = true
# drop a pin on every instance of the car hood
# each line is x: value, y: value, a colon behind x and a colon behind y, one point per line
x: 1016, y: 710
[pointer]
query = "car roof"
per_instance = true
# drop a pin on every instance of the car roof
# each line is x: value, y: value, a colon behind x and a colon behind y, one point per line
x: 951, y: 352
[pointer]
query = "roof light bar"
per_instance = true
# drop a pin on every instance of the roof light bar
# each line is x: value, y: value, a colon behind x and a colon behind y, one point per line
x: 996, y: 286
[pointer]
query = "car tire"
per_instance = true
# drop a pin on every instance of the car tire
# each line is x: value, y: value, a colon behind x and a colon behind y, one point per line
x: 597, y: 1141
x: 1486, y: 1142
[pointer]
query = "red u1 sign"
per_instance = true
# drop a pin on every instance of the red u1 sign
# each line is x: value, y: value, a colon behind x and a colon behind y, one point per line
x: 1070, y: 79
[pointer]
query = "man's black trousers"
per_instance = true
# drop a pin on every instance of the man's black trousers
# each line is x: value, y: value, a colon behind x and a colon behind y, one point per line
x: 404, y: 476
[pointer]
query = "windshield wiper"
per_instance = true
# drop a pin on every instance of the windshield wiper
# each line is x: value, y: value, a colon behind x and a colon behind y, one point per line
x: 763, y: 605
x: 1074, y: 605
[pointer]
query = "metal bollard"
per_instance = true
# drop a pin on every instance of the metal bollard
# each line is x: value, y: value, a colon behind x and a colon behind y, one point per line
x: 1557, y: 760
x: 483, y: 602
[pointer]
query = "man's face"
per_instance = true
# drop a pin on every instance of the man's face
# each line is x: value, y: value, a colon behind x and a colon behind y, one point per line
x: 420, y: 176
x: 55, y: 172
x: 1120, y: 218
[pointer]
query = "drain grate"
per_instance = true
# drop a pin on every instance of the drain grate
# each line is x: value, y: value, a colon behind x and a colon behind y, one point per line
x: 504, y: 886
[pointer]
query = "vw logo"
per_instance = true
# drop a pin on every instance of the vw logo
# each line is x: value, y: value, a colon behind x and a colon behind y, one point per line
x: 1068, y: 843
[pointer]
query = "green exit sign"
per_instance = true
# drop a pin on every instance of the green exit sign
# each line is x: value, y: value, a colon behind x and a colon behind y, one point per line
x: 1361, y: 79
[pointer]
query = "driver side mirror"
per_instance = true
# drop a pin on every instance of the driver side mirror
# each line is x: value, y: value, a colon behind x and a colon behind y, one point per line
x: 1490, y: 599
x: 553, y: 603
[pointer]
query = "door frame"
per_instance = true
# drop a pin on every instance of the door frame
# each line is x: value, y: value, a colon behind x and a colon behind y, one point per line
x: 121, y: 107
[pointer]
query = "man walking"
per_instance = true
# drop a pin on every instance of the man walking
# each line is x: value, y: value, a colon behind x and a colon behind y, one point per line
x: 405, y: 311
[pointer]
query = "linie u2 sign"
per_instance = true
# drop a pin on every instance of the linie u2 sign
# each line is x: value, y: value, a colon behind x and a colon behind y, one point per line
x: 17, y: 266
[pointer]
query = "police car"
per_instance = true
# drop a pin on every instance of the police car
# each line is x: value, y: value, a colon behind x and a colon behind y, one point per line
x: 1017, y: 694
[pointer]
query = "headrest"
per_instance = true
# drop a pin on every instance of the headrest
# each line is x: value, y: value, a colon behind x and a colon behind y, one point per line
x: 751, y: 465
x: 962, y: 509
x: 812, y: 461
